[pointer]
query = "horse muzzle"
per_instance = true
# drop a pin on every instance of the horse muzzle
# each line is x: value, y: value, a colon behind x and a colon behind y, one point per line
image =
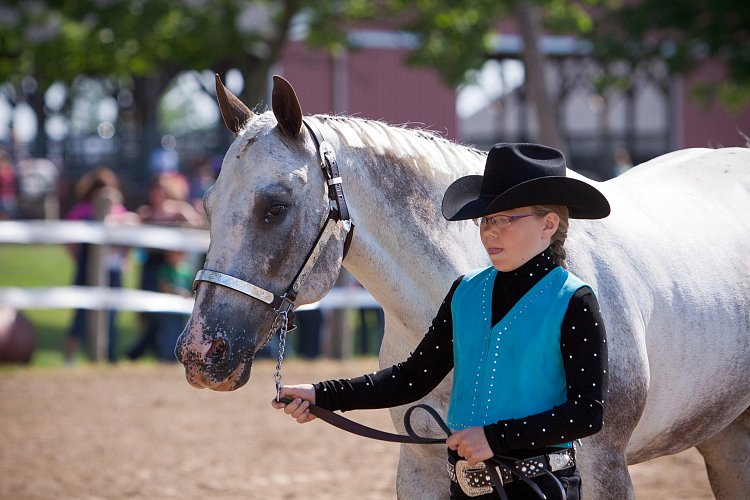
x: 212, y: 359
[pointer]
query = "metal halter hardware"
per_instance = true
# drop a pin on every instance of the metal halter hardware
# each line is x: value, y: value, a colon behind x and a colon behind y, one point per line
x: 283, y: 304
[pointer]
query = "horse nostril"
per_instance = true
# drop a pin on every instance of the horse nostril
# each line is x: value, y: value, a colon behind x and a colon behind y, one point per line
x: 218, y: 352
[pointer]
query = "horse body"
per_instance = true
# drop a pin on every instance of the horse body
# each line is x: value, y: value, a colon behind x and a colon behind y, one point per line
x: 669, y: 266
x: 671, y: 274
x: 676, y: 272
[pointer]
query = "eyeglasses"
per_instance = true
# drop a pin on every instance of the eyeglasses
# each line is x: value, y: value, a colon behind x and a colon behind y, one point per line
x: 499, y: 221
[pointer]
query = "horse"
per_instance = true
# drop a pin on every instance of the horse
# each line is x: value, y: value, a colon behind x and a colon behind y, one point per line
x: 669, y: 266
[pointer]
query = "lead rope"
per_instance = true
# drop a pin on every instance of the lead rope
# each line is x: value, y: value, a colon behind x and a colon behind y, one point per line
x: 507, y: 462
x: 345, y: 424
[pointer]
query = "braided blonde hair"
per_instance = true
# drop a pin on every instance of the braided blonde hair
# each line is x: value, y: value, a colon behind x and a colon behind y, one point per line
x: 558, y: 239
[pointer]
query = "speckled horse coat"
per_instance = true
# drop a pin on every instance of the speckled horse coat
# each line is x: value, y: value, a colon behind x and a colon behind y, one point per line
x: 670, y: 266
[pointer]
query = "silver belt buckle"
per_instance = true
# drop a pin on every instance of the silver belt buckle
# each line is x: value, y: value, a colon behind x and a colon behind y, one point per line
x: 560, y: 460
x: 468, y: 482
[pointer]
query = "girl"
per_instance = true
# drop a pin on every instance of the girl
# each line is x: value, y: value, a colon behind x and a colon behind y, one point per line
x: 166, y: 206
x: 524, y: 337
x: 99, y: 186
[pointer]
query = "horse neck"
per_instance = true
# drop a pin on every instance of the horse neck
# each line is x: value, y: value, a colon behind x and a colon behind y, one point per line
x: 394, y: 180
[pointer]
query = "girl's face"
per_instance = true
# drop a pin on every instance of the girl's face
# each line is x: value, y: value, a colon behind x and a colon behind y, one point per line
x: 513, y: 237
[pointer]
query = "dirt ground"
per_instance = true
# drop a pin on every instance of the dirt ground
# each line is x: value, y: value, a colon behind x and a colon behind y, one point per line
x: 140, y: 431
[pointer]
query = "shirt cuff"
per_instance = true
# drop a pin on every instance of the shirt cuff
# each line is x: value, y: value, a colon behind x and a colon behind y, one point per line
x: 495, y: 440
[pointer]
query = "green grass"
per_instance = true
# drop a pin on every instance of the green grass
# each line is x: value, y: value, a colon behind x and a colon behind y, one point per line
x: 51, y: 265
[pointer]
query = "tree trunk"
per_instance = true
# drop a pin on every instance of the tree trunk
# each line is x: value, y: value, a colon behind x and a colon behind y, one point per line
x: 256, y: 72
x: 147, y: 91
x: 255, y: 77
x: 36, y: 101
x: 536, y: 85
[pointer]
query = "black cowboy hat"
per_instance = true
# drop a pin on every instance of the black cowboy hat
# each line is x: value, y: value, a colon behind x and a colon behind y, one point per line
x: 521, y: 175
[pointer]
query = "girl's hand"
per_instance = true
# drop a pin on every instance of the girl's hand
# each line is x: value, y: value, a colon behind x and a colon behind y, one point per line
x: 302, y: 396
x: 471, y: 444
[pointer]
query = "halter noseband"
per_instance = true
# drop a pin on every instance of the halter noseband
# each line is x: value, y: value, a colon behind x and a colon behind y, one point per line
x: 338, y: 212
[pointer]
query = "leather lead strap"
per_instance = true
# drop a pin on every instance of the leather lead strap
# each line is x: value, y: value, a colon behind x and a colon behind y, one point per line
x: 345, y: 424
x: 497, y: 481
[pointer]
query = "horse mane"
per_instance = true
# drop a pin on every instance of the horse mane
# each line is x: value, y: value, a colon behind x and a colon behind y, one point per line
x: 253, y: 127
x: 413, y: 147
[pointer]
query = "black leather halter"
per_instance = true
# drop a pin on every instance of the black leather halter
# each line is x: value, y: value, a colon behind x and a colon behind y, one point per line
x: 338, y: 212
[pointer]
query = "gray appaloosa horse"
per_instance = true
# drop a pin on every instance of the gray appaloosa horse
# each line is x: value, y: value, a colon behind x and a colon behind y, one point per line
x: 671, y: 266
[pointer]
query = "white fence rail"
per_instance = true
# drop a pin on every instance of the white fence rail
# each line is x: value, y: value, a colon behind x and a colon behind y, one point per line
x: 140, y: 236
x: 98, y: 233
x: 123, y: 299
x: 102, y: 298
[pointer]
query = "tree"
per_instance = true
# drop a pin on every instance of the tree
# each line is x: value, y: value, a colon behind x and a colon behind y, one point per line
x: 456, y: 37
x: 143, y: 45
x: 140, y: 45
x: 683, y: 33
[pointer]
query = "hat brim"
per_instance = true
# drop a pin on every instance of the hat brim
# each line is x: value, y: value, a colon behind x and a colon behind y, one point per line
x: 462, y: 199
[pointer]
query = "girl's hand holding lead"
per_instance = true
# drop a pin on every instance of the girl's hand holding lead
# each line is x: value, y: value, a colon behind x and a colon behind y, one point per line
x: 471, y: 443
x: 302, y: 397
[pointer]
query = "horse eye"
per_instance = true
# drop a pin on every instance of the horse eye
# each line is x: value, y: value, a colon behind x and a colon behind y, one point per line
x: 276, y: 209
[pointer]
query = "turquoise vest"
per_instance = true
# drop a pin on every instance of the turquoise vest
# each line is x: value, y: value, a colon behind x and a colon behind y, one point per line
x: 514, y: 368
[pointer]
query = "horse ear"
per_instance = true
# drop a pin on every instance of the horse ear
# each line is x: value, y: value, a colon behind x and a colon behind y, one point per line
x: 286, y: 107
x: 233, y: 111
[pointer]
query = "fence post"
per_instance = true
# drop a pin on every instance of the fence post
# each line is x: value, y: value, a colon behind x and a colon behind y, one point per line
x: 97, y: 324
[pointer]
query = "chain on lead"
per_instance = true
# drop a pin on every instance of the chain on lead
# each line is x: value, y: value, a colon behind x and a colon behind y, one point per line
x: 282, y: 342
x: 274, y: 326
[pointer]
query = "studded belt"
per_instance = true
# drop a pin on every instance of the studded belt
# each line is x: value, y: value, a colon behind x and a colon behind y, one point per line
x: 475, y: 480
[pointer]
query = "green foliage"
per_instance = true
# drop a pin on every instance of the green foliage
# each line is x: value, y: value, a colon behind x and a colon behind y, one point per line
x: 732, y: 95
x: 452, y: 37
x: 683, y: 33
x: 122, y: 38
x: 609, y: 82
x: 139, y: 45
x: 563, y: 16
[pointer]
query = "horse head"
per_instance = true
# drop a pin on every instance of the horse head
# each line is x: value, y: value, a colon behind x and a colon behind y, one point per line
x: 265, y: 212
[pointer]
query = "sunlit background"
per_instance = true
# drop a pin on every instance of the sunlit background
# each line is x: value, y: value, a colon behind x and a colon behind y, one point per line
x: 128, y: 86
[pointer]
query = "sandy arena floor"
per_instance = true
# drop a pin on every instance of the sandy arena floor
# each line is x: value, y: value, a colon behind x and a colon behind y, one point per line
x: 140, y: 431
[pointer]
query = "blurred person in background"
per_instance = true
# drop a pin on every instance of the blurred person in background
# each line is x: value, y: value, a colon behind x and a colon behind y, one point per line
x: 309, y: 326
x: 100, y: 185
x: 8, y: 187
x: 622, y: 161
x: 371, y: 329
x: 166, y: 206
x: 203, y: 176
x: 174, y: 275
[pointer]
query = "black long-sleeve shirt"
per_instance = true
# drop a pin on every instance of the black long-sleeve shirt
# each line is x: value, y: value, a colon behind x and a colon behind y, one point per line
x: 582, y: 346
